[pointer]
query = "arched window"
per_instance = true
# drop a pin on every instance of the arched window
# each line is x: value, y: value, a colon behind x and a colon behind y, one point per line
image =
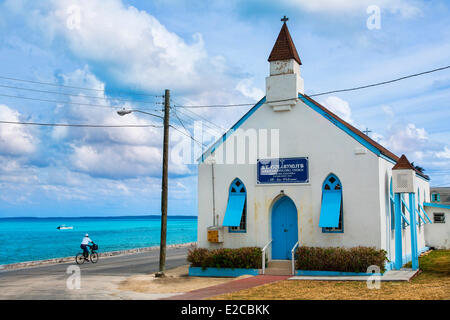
x: 392, y: 206
x: 236, y: 213
x: 418, y: 207
x: 331, y: 213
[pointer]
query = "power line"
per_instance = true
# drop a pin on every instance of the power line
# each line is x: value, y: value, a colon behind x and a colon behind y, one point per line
x: 217, y: 105
x: 74, y: 87
x: 63, y: 102
x: 179, y: 120
x: 205, y: 123
x: 81, y: 125
x: 75, y: 95
x: 327, y: 92
x: 381, y: 83
x: 187, y: 135
x: 201, y: 117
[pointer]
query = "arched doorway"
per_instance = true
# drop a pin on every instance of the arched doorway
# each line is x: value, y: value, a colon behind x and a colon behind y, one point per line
x: 284, y: 228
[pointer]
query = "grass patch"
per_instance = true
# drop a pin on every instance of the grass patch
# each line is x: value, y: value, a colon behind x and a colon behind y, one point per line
x: 432, y: 284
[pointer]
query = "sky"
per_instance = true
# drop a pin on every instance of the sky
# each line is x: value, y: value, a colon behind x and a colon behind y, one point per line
x: 206, y: 52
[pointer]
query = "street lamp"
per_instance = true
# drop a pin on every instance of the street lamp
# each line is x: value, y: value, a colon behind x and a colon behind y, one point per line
x: 128, y: 111
x: 164, y: 184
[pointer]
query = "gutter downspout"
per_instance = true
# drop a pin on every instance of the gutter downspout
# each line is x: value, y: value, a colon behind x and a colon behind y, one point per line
x: 213, y: 195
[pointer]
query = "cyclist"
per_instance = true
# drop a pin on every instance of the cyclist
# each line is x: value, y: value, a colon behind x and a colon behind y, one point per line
x: 85, y: 243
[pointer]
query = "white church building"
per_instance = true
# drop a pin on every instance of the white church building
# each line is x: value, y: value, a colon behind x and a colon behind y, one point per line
x: 290, y: 172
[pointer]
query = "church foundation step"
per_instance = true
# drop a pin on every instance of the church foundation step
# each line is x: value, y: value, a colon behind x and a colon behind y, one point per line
x: 279, y: 268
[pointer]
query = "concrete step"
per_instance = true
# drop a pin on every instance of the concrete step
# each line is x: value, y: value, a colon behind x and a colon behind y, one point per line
x: 279, y: 264
x: 278, y: 271
x: 278, y: 268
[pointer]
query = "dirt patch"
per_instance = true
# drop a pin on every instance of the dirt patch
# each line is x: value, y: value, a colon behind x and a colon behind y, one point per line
x: 432, y: 284
x: 176, y: 281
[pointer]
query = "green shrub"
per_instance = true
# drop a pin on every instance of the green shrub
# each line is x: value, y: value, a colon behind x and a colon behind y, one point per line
x: 246, y: 258
x: 356, y: 259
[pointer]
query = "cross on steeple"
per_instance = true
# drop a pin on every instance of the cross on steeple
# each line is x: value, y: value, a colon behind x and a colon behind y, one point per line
x: 284, y: 19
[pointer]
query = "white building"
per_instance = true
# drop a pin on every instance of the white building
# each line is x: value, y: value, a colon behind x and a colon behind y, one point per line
x: 290, y: 170
x: 437, y: 235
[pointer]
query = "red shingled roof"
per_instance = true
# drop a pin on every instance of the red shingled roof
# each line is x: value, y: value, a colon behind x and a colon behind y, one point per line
x: 382, y: 149
x: 403, y: 163
x: 284, y: 47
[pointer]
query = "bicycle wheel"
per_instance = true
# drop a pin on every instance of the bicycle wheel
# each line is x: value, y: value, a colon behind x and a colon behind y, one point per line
x: 79, y: 259
x: 94, y: 257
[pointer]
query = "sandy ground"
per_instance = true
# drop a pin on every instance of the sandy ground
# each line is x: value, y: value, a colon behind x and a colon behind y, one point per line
x: 176, y: 281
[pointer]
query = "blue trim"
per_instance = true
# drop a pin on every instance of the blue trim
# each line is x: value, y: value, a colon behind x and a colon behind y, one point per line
x: 340, y: 125
x: 426, y: 215
x: 314, y: 107
x: 231, y: 130
x: 333, y: 273
x: 405, y: 220
x: 392, y: 205
x: 423, y: 178
x: 398, y: 232
x: 387, y: 158
x: 389, y: 265
x: 221, y: 272
x: 413, y: 230
x: 420, y: 216
x: 407, y: 258
x: 324, y: 230
x: 236, y: 231
x: 436, y: 205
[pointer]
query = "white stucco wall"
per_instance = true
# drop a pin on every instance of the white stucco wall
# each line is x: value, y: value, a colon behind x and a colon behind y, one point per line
x: 437, y: 235
x: 302, y: 133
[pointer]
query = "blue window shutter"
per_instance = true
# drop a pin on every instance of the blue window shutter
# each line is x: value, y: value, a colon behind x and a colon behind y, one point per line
x: 235, y: 208
x: 330, y: 209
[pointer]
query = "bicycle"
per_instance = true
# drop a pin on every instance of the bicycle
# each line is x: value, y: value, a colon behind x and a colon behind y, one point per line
x: 92, y: 256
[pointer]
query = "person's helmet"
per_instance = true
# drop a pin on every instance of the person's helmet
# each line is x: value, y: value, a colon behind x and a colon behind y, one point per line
x: 86, y: 235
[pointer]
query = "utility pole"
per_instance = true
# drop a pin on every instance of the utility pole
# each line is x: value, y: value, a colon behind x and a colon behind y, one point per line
x: 164, y: 185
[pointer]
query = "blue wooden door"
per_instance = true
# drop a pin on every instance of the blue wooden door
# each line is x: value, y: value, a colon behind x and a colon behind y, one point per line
x: 284, y: 228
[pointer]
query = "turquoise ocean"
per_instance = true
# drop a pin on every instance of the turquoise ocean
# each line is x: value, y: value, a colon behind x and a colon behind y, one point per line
x: 27, y: 239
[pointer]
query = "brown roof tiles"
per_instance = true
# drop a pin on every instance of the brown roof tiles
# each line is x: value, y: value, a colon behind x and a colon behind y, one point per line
x: 284, y: 47
x: 403, y: 163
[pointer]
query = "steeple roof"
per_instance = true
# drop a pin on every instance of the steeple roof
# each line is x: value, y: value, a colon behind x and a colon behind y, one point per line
x: 284, y: 47
x: 403, y: 163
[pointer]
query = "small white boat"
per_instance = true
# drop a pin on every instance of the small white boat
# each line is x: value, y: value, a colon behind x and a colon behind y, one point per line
x: 64, y: 227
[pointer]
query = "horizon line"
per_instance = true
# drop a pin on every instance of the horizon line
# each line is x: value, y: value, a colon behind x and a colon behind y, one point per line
x: 77, y: 217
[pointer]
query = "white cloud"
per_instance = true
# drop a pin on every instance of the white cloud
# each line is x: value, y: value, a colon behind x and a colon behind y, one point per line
x: 405, y: 8
x: 129, y: 45
x: 116, y: 153
x: 444, y: 154
x: 340, y: 107
x: 245, y: 86
x: 388, y: 111
x: 15, y: 139
x: 408, y: 140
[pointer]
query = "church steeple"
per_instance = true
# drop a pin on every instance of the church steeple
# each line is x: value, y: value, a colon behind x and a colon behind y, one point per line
x: 284, y: 83
x: 284, y: 47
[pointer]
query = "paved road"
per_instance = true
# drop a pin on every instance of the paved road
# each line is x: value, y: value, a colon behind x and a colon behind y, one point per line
x: 98, y: 281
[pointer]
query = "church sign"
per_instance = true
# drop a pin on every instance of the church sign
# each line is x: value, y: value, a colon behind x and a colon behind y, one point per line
x: 283, y: 170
